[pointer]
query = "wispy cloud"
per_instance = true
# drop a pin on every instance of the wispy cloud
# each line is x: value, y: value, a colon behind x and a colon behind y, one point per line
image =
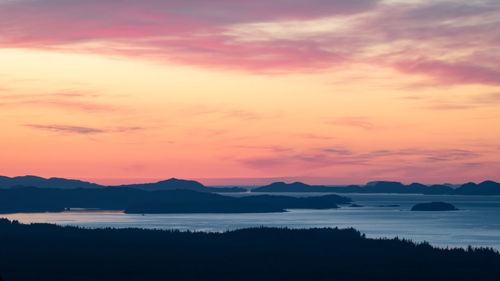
x: 452, y: 155
x: 423, y: 154
x: 355, y: 121
x: 223, y: 112
x: 69, y: 129
x: 328, y: 157
x: 303, y: 161
x: 471, y: 102
x: 452, y: 73
x: 61, y: 94
x: 488, y: 98
x: 315, y: 136
x: 66, y: 129
x: 338, y: 151
x: 62, y: 104
x: 70, y: 100
x: 272, y: 148
x: 242, y: 114
x: 126, y: 129
x: 448, y: 106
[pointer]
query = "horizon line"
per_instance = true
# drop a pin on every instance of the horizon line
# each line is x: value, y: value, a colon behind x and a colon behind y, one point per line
x: 236, y: 181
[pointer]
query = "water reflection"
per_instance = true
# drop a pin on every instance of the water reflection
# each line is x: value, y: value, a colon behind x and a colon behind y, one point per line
x: 475, y: 224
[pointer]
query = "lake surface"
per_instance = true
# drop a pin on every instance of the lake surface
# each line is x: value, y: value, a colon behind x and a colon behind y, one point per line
x: 477, y: 223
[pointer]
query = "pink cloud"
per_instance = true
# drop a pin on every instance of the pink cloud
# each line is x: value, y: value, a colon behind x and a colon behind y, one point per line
x: 359, y: 122
x: 53, y: 22
x: 319, y: 159
x: 196, y: 32
x: 182, y: 33
x: 452, y: 73
x: 284, y: 161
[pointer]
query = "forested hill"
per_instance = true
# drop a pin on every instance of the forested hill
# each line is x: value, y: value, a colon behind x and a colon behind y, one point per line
x: 46, y: 252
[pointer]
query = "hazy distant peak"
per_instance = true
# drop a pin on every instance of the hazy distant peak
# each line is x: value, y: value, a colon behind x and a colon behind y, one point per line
x: 376, y: 183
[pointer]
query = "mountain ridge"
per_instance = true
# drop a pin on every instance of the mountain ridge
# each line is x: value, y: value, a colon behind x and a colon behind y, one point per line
x: 62, y: 183
x: 486, y: 187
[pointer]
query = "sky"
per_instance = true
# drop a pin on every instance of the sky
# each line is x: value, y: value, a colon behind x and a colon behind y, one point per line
x: 234, y: 92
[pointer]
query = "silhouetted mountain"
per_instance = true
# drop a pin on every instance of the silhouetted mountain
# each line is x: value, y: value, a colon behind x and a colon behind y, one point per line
x: 417, y: 186
x: 397, y: 187
x: 170, y: 184
x: 293, y: 187
x: 133, y: 200
x: 386, y: 186
x: 173, y: 184
x: 484, y: 188
x: 434, y: 206
x: 46, y: 252
x: 6, y: 182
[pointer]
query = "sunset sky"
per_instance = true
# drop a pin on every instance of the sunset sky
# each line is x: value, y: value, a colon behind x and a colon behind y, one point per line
x: 247, y: 92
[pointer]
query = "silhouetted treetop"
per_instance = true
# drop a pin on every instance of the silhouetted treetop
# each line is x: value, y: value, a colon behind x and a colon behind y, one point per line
x: 49, y: 252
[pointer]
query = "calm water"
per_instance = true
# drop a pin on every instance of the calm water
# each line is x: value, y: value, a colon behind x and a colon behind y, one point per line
x: 476, y: 224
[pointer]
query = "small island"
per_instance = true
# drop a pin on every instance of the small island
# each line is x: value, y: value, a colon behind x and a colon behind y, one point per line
x: 434, y: 206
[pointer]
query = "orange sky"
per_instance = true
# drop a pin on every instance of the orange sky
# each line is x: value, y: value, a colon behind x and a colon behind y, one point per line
x: 329, y: 92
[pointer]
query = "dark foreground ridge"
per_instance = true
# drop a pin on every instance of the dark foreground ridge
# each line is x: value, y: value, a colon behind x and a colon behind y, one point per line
x: 49, y: 252
x: 434, y: 206
x: 32, y: 199
x: 484, y: 188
